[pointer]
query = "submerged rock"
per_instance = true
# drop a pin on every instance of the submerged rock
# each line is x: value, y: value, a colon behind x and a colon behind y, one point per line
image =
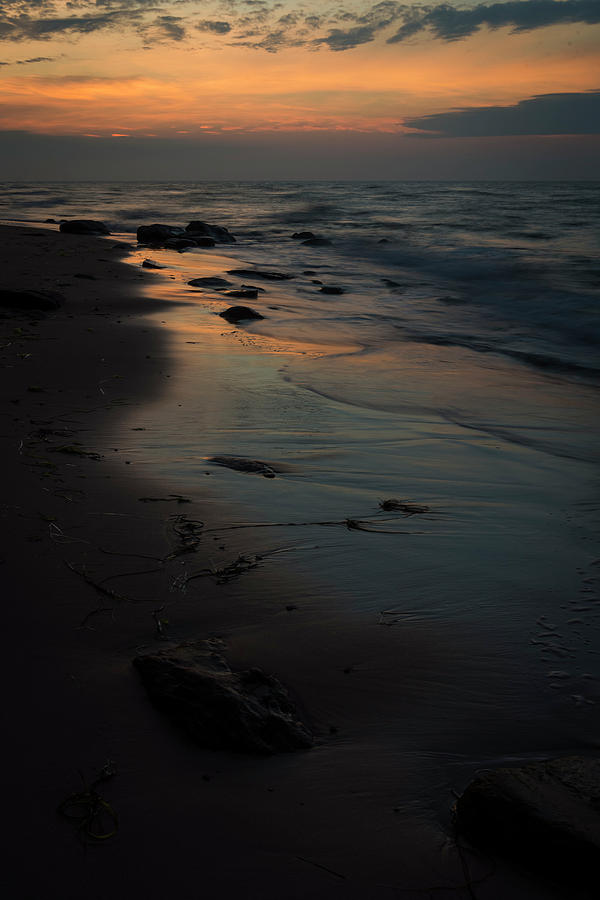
x: 239, y: 313
x: 242, y: 464
x: 158, y: 234
x: 249, y: 711
x: 317, y: 242
x: 330, y: 289
x: 258, y: 273
x: 211, y: 281
x: 83, y: 226
x: 547, y: 814
x: 217, y: 232
x: 303, y: 236
x: 46, y: 300
x: 243, y: 293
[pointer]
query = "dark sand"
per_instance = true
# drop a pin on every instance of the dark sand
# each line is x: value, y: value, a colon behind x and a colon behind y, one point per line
x: 342, y: 820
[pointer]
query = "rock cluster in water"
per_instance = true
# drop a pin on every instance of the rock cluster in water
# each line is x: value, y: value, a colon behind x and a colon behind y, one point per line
x: 247, y: 711
x: 174, y: 237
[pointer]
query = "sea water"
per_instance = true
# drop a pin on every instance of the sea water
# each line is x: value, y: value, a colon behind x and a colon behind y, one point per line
x: 458, y: 371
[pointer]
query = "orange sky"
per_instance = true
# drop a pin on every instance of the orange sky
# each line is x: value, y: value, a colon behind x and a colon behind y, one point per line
x: 138, y: 80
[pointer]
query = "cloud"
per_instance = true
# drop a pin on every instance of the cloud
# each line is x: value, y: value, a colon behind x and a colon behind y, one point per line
x: 568, y: 113
x: 273, y: 26
x: 214, y: 27
x: 163, y: 28
x: 452, y: 24
x: 346, y: 40
x: 25, y: 27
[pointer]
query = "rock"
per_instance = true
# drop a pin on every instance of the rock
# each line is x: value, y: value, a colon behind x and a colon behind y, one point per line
x: 211, y: 281
x: 330, y: 289
x: 241, y: 464
x: 46, y: 300
x: 217, y: 232
x: 249, y: 711
x: 204, y: 241
x: 317, y: 242
x: 183, y: 243
x: 148, y: 264
x: 303, y: 236
x: 253, y: 287
x: 122, y: 245
x: 547, y: 814
x: 158, y: 234
x: 238, y: 313
x: 50, y: 221
x: 257, y: 273
x: 243, y: 293
x: 83, y: 226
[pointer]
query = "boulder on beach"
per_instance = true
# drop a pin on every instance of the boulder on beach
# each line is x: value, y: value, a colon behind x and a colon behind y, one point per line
x: 546, y: 814
x: 211, y: 281
x: 44, y: 300
x: 149, y: 264
x: 236, y: 314
x: 259, y: 273
x: 248, y: 711
x: 217, y: 232
x: 83, y: 226
x: 158, y: 234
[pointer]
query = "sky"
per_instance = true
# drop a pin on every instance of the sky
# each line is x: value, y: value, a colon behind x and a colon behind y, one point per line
x: 121, y: 89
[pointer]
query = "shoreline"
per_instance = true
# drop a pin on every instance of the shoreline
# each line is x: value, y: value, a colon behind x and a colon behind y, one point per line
x: 337, y: 821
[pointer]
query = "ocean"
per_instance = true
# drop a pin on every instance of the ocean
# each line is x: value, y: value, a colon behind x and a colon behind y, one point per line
x: 457, y: 372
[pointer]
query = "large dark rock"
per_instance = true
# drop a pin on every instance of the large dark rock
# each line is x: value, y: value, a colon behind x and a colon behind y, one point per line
x: 236, y: 314
x: 46, y: 300
x: 83, y: 226
x: 217, y: 232
x: 158, y: 234
x: 331, y: 289
x: 547, y: 814
x: 258, y: 273
x: 211, y: 281
x: 182, y: 243
x: 246, y: 711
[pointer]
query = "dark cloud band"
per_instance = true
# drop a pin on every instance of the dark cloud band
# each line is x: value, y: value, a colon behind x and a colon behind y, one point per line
x: 568, y: 113
x: 452, y: 24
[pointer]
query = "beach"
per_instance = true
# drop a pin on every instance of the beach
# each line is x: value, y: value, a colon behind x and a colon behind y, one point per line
x: 421, y: 642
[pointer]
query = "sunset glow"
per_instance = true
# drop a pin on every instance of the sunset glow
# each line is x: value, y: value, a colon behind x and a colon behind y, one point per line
x: 250, y: 66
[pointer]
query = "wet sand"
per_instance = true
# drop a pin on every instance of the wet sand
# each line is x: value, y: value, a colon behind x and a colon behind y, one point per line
x: 366, y: 813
